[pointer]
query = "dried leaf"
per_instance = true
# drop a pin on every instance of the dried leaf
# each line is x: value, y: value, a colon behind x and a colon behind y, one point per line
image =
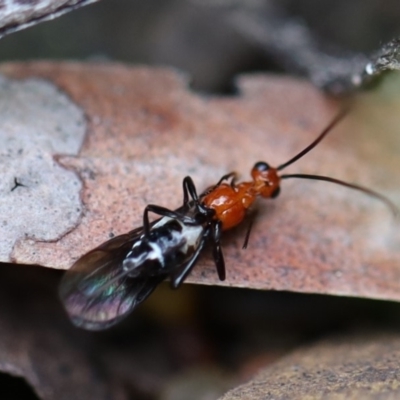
x: 197, y: 384
x: 355, y: 367
x: 145, y: 131
x: 40, y: 198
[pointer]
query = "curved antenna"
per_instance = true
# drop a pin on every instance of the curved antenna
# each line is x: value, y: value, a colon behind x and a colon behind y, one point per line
x: 394, y: 209
x: 331, y: 125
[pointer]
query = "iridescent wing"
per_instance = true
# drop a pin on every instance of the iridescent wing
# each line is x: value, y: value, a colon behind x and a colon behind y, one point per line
x: 97, y: 293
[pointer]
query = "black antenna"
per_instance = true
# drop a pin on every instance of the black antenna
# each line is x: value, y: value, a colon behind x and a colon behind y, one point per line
x: 335, y: 120
x: 363, y: 189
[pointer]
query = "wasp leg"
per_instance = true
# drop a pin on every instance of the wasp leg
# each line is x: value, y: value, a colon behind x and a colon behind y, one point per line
x: 217, y: 251
x: 233, y: 175
x: 189, y: 189
x: 178, y: 278
x: 162, y: 211
x: 249, y: 228
x: 233, y: 182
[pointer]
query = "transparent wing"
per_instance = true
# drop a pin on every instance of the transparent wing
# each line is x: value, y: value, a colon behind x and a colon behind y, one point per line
x: 97, y: 293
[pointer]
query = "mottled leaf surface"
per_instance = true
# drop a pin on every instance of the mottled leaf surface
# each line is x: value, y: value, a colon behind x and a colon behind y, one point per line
x: 360, y: 366
x: 146, y: 130
x: 40, y: 199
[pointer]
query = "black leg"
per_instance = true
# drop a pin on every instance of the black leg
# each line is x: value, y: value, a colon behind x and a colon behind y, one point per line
x: 226, y: 177
x: 186, y: 190
x: 189, y: 189
x: 217, y: 251
x: 250, y: 226
x: 232, y: 175
x: 163, y: 212
x: 178, y: 278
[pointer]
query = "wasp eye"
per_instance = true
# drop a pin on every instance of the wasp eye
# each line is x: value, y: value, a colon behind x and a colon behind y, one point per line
x: 261, y: 166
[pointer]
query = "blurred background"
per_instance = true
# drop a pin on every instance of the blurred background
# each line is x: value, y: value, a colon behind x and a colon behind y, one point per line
x: 198, y: 341
x: 200, y: 36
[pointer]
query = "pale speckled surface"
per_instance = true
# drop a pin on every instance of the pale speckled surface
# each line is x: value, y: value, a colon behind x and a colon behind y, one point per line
x: 354, y: 367
x: 37, y: 122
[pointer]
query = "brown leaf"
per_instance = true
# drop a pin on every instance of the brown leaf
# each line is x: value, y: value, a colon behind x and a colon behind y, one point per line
x: 145, y: 131
x: 352, y: 367
x: 197, y: 384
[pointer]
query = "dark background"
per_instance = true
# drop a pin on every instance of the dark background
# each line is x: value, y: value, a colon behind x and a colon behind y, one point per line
x: 197, y: 36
